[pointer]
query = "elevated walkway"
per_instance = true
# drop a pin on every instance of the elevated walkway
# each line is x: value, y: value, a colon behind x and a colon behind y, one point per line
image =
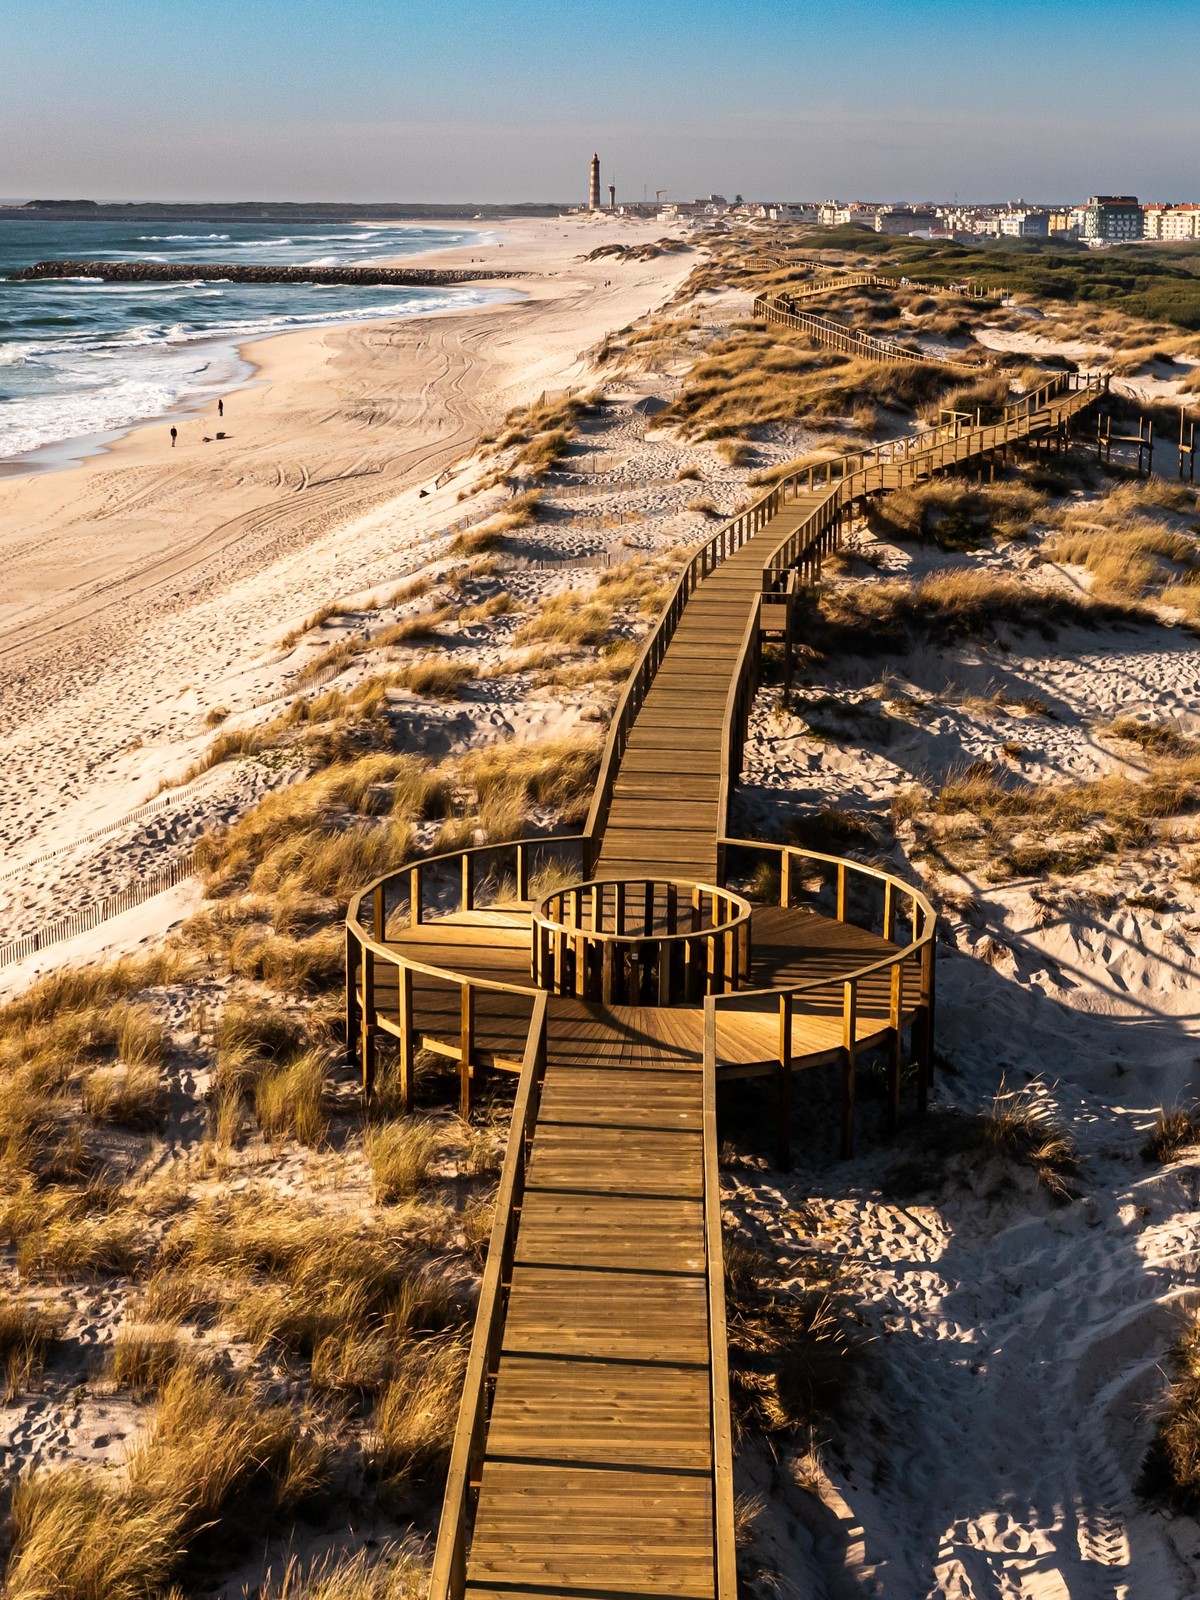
x: 593, y: 1453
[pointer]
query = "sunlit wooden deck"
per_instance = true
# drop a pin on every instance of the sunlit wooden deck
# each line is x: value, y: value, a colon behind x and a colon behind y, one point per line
x: 593, y: 1455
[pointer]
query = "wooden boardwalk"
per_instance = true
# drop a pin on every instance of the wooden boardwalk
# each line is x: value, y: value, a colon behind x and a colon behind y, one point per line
x: 597, y: 1474
x: 593, y: 1456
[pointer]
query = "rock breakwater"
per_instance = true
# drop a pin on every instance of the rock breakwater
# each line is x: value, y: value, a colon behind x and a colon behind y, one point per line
x: 213, y: 271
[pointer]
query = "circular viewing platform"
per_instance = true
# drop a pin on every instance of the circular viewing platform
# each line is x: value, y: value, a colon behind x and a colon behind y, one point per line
x: 799, y: 959
x: 641, y: 942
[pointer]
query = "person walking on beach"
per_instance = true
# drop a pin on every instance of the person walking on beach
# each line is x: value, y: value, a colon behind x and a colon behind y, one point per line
x: 174, y: 436
x: 220, y: 408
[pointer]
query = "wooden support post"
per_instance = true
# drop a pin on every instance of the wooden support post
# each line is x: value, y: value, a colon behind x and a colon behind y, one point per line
x: 407, y: 1050
x: 925, y: 1028
x: 378, y: 914
x: 841, y: 891
x: 608, y: 964
x: 849, y: 1064
x: 895, y: 1062
x: 522, y: 873
x: 369, y: 1025
x: 468, y: 882
x: 619, y: 908
x: 353, y: 955
x: 466, y: 1050
x: 785, y: 880
x: 414, y: 897
x: 783, y: 1087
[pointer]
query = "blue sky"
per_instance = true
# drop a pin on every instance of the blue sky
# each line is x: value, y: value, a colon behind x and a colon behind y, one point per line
x: 383, y: 99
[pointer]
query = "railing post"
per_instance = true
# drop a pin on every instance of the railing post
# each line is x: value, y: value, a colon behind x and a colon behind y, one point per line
x: 895, y: 1061
x: 468, y: 882
x: 414, y: 897
x: 352, y: 966
x: 849, y: 1064
x: 925, y: 1050
x: 378, y: 918
x: 783, y: 1085
x: 466, y: 1050
x: 522, y: 873
x: 404, y: 980
x: 841, y: 891
x: 368, y: 1021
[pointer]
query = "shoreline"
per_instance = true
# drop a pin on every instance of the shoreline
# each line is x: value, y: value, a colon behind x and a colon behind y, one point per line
x: 75, y: 450
x: 147, y: 584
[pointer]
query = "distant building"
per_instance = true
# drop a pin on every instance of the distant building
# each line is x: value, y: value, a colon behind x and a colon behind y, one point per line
x: 1165, y: 221
x: 594, y: 185
x: 1115, y: 217
x: 1024, y: 224
x: 1060, y: 223
x: 905, y: 220
x: 794, y: 213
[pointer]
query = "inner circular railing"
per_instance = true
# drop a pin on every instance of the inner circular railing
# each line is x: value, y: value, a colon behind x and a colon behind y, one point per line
x: 641, y: 941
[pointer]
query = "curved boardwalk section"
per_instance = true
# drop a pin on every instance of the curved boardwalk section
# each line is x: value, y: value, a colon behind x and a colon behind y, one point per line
x: 592, y: 1457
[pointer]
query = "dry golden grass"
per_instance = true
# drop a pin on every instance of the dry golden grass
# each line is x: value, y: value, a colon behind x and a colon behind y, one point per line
x: 1126, y: 562
x: 959, y: 518
x: 570, y: 619
x: 143, y: 1356
x: 1156, y: 738
x: 28, y: 1333
x: 71, y: 1233
x: 951, y: 605
x: 758, y: 377
x: 289, y: 1100
x: 76, y: 1536
x: 131, y: 1097
x: 402, y: 1155
x: 435, y: 677
x: 1057, y: 828
x: 1021, y: 1124
x: 393, y: 1572
x: 1175, y: 1133
x: 413, y: 1421
x: 1171, y: 1471
x: 421, y: 627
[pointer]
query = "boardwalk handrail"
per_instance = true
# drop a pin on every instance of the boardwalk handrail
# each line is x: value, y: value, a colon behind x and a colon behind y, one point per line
x: 724, y: 1543
x: 449, y: 1574
x: 850, y: 342
x: 728, y: 538
x: 363, y: 1019
x: 851, y: 279
x: 918, y: 953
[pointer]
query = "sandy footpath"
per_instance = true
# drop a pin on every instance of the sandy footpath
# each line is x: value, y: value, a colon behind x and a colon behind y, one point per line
x: 140, y: 585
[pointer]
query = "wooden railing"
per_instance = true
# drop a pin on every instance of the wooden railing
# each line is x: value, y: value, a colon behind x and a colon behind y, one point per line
x: 641, y: 942
x: 449, y: 1576
x: 724, y: 1543
x: 851, y: 280
x: 897, y: 901
x: 723, y: 543
x: 459, y: 880
x: 850, y: 342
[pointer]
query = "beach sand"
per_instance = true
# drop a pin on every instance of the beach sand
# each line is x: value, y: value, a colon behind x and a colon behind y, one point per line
x: 142, y: 583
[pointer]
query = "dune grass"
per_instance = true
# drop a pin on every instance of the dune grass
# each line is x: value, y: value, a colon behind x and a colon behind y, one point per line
x: 28, y: 1334
x: 413, y: 1422
x: 1171, y: 1471
x: 1018, y: 831
x: 879, y: 616
x: 1176, y: 1131
x: 401, y: 1155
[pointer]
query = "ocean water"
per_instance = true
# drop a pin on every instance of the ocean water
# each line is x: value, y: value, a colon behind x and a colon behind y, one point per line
x: 80, y: 360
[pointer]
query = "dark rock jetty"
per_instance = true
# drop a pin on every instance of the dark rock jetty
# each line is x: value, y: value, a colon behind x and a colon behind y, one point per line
x: 211, y: 271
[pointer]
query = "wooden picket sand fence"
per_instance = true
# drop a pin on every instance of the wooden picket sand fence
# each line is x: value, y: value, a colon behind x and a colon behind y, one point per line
x: 622, y: 974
